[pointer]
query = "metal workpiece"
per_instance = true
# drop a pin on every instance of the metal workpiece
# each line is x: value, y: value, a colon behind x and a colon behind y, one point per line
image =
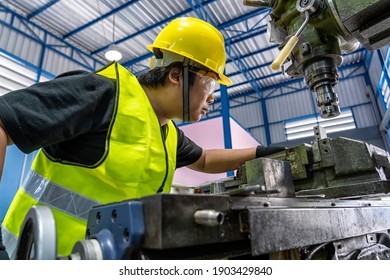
x: 319, y: 133
x: 222, y: 186
x: 275, y: 176
x: 299, y: 158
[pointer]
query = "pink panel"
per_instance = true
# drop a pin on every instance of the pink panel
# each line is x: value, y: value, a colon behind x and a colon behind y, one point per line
x: 209, y: 135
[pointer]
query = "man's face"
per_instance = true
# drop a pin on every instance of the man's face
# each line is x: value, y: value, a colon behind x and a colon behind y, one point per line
x: 201, y: 94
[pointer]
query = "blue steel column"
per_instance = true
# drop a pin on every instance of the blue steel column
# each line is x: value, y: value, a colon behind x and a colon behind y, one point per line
x: 266, y: 123
x: 379, y: 93
x: 227, y: 135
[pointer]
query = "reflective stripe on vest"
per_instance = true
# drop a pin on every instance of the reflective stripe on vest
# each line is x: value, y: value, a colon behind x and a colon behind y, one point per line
x: 10, y: 241
x: 58, y: 197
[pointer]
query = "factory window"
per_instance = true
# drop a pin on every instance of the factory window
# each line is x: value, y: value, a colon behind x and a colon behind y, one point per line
x: 302, y: 128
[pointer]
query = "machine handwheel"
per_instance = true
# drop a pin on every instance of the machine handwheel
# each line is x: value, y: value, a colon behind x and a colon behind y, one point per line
x: 38, y: 239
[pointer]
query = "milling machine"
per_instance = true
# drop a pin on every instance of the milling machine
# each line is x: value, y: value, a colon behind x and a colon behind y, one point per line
x: 313, y: 34
x: 324, y: 200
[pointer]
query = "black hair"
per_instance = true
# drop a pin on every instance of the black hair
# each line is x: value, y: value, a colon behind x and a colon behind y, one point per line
x: 156, y: 77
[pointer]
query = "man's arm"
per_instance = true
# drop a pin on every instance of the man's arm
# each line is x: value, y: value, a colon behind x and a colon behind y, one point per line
x: 222, y: 160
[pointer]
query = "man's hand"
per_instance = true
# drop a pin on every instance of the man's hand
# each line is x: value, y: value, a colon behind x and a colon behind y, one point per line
x: 266, y: 151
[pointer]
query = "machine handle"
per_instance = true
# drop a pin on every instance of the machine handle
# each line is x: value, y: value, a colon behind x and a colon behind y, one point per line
x: 279, y: 60
x: 290, y: 44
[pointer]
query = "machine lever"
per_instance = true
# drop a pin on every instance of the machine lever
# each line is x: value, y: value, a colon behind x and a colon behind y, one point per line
x: 285, y: 52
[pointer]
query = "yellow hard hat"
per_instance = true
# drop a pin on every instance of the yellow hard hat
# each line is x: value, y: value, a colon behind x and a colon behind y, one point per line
x: 195, y: 39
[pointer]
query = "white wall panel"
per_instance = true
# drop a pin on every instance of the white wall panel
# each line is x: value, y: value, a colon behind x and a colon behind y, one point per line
x: 375, y: 70
x: 13, y: 75
x: 249, y: 115
x: 290, y: 106
x: 259, y: 134
x: 56, y: 63
x: 364, y: 116
x: 352, y: 91
x: 19, y: 45
x: 277, y: 133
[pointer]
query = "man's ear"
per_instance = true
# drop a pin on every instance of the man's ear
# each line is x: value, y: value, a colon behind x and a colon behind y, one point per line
x: 174, y: 75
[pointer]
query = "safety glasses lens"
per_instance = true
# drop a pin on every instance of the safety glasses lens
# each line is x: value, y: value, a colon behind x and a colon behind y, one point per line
x: 208, y: 82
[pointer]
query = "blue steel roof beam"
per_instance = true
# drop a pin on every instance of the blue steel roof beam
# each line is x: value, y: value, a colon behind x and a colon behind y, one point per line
x: 249, y: 29
x: 42, y: 9
x: 383, y: 77
x: 149, y: 28
x: 80, y: 56
x: 244, y: 17
x: 46, y: 45
x: 256, y: 52
x: 74, y: 51
x: 28, y: 64
x: 196, y: 8
x: 245, y: 35
x: 351, y: 73
x: 25, y: 22
x: 14, y: 14
x: 81, y: 28
x: 137, y: 60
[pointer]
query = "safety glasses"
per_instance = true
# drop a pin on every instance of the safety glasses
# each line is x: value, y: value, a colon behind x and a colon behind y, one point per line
x: 210, y: 83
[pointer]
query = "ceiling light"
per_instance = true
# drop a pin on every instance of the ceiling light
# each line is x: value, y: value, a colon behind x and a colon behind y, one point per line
x: 113, y: 53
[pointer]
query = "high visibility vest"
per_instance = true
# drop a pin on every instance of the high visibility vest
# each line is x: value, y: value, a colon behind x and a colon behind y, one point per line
x: 139, y: 160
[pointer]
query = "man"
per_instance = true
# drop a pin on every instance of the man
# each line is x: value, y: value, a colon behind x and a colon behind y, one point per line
x: 106, y: 136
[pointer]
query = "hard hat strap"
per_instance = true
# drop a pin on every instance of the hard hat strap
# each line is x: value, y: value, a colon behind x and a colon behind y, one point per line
x: 186, y: 91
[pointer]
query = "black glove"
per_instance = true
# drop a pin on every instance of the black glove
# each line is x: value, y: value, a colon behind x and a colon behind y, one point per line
x: 266, y: 151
